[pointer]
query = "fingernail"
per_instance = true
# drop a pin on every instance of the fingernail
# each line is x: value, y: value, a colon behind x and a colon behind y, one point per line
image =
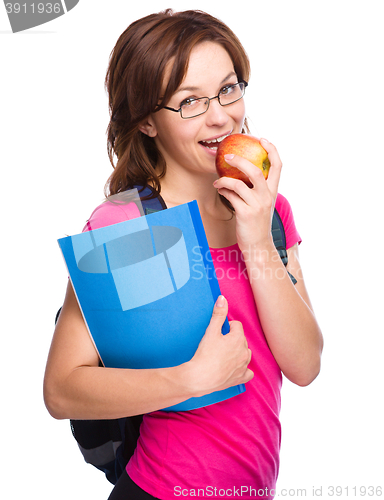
x: 229, y: 157
x: 220, y: 302
x: 264, y: 141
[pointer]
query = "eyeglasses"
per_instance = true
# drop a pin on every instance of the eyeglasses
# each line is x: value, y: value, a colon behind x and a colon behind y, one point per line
x: 194, y: 107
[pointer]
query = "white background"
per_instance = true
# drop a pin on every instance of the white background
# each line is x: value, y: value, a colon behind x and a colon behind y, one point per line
x: 317, y: 92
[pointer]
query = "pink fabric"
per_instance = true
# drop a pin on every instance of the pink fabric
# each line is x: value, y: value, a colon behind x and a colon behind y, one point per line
x: 109, y: 213
x: 231, y: 448
x: 285, y: 212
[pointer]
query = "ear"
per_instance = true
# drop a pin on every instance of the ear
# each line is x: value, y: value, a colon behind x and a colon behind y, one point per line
x: 148, y: 127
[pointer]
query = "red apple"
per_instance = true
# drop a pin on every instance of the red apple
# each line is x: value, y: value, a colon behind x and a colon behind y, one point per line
x: 246, y: 146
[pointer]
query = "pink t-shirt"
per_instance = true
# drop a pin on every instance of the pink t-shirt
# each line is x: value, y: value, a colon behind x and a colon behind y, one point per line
x: 230, y: 448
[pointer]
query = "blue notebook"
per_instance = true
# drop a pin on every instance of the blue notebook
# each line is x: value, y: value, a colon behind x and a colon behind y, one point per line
x: 146, y: 288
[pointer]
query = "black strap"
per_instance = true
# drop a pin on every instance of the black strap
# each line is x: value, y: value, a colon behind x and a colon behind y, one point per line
x: 278, y: 235
x: 279, y: 239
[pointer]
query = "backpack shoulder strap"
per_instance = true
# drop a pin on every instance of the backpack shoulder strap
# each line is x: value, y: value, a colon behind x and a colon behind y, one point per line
x: 278, y: 235
x: 279, y: 239
x: 150, y: 201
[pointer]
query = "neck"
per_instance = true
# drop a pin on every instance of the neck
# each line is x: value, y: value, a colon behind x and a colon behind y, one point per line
x: 199, y: 187
x: 219, y: 223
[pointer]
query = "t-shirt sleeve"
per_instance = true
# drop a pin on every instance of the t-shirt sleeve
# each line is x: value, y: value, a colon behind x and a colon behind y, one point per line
x: 109, y: 213
x: 285, y: 211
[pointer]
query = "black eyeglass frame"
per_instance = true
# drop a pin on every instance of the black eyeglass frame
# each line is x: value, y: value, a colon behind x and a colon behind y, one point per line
x: 209, y: 100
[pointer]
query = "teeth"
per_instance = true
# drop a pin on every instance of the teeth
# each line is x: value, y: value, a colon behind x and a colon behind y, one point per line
x: 219, y: 139
x: 222, y: 138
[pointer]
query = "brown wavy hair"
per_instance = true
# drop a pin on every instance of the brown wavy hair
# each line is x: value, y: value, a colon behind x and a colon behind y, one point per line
x: 134, y: 82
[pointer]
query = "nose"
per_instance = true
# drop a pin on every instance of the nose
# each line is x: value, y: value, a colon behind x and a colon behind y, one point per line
x: 216, y: 114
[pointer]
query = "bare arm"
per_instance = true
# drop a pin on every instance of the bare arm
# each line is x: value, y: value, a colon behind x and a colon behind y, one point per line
x: 285, y: 312
x: 286, y: 315
x: 76, y: 387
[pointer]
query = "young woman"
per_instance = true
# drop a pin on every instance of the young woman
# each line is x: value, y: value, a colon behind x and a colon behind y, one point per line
x: 176, y: 83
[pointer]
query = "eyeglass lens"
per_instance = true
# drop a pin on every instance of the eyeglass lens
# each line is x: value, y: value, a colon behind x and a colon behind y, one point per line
x: 226, y: 96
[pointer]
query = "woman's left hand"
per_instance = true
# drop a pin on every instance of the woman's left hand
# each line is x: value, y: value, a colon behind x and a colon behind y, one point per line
x: 253, y: 206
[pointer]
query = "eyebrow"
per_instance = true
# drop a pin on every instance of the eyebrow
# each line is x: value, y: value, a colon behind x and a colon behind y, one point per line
x: 194, y: 89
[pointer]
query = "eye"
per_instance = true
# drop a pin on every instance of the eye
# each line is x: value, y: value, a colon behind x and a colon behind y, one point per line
x: 189, y: 103
x: 228, y: 89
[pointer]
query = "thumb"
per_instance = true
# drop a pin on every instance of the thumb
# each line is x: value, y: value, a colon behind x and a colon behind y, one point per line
x: 219, y: 314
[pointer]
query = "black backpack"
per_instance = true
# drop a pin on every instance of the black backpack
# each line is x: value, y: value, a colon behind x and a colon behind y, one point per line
x: 109, y: 444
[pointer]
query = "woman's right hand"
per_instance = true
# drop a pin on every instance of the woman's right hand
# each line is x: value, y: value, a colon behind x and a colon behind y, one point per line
x: 221, y: 361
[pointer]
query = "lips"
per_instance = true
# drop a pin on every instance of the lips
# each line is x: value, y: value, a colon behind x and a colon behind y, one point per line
x: 214, y: 143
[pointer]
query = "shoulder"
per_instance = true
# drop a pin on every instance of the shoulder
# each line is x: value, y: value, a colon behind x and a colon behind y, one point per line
x: 282, y: 205
x: 109, y: 213
x: 284, y: 209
